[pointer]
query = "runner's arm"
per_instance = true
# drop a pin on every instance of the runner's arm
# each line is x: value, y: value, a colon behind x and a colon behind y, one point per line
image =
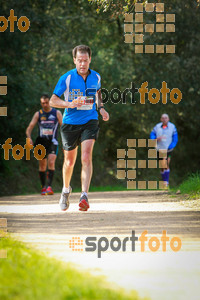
x: 55, y: 101
x: 99, y: 99
x: 153, y: 135
x: 59, y: 90
x: 103, y: 112
x: 32, y: 125
x: 174, y: 140
x: 59, y: 116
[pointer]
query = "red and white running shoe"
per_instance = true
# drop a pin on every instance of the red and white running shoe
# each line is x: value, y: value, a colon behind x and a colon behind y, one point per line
x: 49, y: 191
x: 83, y: 203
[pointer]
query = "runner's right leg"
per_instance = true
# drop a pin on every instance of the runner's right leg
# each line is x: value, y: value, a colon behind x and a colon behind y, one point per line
x: 68, y: 166
x: 42, y: 174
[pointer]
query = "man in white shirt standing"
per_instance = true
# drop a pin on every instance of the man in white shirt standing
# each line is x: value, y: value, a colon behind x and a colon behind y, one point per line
x: 166, y: 135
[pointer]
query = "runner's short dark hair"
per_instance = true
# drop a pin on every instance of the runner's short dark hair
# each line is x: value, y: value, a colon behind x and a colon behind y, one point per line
x: 44, y: 96
x: 82, y: 49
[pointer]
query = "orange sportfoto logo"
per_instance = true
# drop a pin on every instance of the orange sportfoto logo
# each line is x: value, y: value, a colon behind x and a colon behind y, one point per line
x: 23, y: 22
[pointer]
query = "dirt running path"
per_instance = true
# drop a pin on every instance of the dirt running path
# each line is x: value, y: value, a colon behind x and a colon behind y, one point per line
x: 161, y: 275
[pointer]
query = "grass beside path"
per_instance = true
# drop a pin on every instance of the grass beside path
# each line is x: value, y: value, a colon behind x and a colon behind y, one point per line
x: 190, y: 186
x: 27, y: 274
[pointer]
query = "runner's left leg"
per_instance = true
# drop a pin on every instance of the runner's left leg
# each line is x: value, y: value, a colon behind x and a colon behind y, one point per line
x: 167, y: 171
x: 86, y: 172
x: 168, y: 162
x: 86, y: 159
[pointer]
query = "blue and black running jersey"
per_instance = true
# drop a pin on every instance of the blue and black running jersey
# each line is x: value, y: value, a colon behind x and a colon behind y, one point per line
x: 48, y: 125
x: 72, y: 85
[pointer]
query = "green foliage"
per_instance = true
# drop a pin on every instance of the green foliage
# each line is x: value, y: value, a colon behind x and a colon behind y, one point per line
x: 27, y: 274
x: 34, y: 61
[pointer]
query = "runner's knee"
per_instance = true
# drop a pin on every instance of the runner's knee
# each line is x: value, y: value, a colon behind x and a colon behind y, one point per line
x: 51, y: 162
x: 42, y: 165
x: 86, y: 158
x: 69, y: 163
x: 51, y: 165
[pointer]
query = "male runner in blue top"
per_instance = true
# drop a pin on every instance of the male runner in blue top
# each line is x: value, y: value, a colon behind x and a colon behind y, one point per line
x: 80, y: 121
x: 167, y: 137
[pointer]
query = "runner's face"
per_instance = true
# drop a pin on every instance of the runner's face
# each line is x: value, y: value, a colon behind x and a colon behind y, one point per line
x: 45, y: 104
x: 164, y: 120
x: 82, y: 62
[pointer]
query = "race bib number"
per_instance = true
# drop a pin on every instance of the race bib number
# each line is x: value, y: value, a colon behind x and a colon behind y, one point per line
x: 85, y: 107
x: 87, y: 103
x: 47, y: 131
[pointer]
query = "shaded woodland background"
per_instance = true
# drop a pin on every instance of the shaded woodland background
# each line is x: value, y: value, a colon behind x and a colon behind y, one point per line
x: 34, y: 61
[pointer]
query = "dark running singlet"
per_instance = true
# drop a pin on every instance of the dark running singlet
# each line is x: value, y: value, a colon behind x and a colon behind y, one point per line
x: 48, y: 125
